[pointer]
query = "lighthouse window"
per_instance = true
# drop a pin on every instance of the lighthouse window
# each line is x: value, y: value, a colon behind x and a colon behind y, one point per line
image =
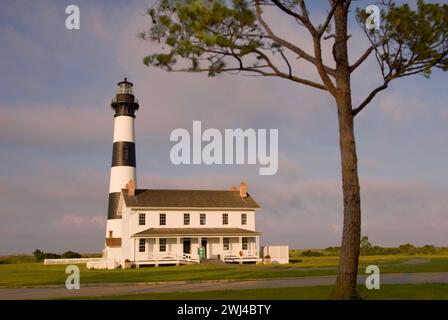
x: 141, y: 219
x: 125, y: 153
x: 162, y: 219
x: 141, y: 245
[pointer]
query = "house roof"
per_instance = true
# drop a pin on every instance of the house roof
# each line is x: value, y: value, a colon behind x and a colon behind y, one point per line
x: 194, y: 232
x: 157, y: 198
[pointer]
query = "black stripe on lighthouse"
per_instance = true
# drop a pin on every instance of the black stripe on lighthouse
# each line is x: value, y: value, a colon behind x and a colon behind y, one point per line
x: 112, y: 211
x: 123, y: 154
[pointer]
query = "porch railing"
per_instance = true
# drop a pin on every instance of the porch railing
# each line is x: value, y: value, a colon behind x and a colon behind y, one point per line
x: 247, y: 254
x: 166, y: 256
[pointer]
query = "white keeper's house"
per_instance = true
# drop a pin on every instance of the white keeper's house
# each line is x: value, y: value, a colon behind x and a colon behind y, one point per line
x: 153, y: 226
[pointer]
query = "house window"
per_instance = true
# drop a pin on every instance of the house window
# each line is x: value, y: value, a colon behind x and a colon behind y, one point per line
x: 202, y: 219
x: 162, y: 245
x: 225, y: 244
x: 244, y: 244
x: 141, y: 219
x: 186, y: 219
x: 244, y: 218
x: 225, y: 218
x: 141, y: 245
x: 162, y: 219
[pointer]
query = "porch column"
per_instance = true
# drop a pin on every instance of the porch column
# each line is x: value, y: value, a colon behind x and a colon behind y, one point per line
x: 178, y: 246
x: 240, y: 244
x: 257, y: 244
x: 221, y: 248
x: 156, y: 251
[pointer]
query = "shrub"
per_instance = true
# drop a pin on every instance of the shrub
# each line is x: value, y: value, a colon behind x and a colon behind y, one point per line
x: 71, y: 255
x: 38, y: 255
x: 50, y: 255
x: 310, y: 253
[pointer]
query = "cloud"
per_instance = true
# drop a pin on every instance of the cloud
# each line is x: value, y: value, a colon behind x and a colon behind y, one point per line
x: 78, y: 221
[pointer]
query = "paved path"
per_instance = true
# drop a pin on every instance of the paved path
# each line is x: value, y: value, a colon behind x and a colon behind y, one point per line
x: 50, y: 292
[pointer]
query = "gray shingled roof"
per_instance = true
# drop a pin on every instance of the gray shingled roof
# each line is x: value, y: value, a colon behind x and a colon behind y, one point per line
x: 156, y: 198
x: 194, y: 231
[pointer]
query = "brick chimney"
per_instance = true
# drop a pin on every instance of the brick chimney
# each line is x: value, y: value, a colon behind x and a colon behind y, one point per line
x: 243, y: 190
x: 131, y: 188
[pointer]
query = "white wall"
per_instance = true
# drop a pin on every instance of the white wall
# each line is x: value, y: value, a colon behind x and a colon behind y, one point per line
x: 175, y: 219
x: 278, y: 254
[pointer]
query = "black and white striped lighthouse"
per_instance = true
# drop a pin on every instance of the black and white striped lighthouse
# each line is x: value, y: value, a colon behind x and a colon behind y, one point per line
x: 123, y: 155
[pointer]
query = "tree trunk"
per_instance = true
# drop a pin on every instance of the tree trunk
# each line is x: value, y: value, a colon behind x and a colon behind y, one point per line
x: 351, y: 234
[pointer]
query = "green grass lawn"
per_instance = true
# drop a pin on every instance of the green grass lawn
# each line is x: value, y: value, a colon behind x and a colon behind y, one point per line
x: 387, y: 292
x: 33, y: 274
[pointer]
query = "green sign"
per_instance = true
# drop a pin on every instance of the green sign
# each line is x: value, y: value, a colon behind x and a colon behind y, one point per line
x: 201, y: 252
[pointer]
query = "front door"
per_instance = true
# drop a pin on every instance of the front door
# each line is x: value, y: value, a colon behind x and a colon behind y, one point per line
x: 187, y: 246
x: 204, y: 245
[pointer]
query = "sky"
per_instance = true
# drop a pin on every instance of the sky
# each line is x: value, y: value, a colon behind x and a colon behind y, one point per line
x: 56, y: 129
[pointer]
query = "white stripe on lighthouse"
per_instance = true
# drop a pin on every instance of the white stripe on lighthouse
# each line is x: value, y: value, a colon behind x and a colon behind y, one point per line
x: 120, y: 176
x: 124, y: 129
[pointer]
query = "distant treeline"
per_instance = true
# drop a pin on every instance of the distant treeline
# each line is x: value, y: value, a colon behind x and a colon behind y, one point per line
x: 41, y: 256
x: 367, y: 249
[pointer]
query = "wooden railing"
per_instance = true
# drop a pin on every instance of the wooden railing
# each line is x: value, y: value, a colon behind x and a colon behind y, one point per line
x: 161, y: 256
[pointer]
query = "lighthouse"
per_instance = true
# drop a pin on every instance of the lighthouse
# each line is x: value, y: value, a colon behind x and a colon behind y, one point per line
x: 123, y: 166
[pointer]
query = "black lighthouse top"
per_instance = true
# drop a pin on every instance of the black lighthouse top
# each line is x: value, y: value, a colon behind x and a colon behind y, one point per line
x: 124, y: 102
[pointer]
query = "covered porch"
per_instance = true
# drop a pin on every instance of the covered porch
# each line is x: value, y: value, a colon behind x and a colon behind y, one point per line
x: 158, y: 246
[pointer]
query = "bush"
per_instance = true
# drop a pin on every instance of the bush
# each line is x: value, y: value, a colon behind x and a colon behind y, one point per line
x: 71, y: 255
x: 49, y: 255
x: 41, y: 256
x: 38, y: 255
x: 309, y: 253
x: 407, y: 248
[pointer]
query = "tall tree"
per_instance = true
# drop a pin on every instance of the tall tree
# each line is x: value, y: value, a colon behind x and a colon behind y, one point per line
x: 210, y: 36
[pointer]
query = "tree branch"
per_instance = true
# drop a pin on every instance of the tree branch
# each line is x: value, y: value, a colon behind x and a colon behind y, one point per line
x: 285, y: 9
x: 287, y: 44
x: 329, y: 17
x: 370, y: 97
x: 362, y: 58
x: 287, y: 63
x: 290, y: 76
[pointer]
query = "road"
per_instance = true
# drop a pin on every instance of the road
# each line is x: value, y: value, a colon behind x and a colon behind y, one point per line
x: 52, y: 292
